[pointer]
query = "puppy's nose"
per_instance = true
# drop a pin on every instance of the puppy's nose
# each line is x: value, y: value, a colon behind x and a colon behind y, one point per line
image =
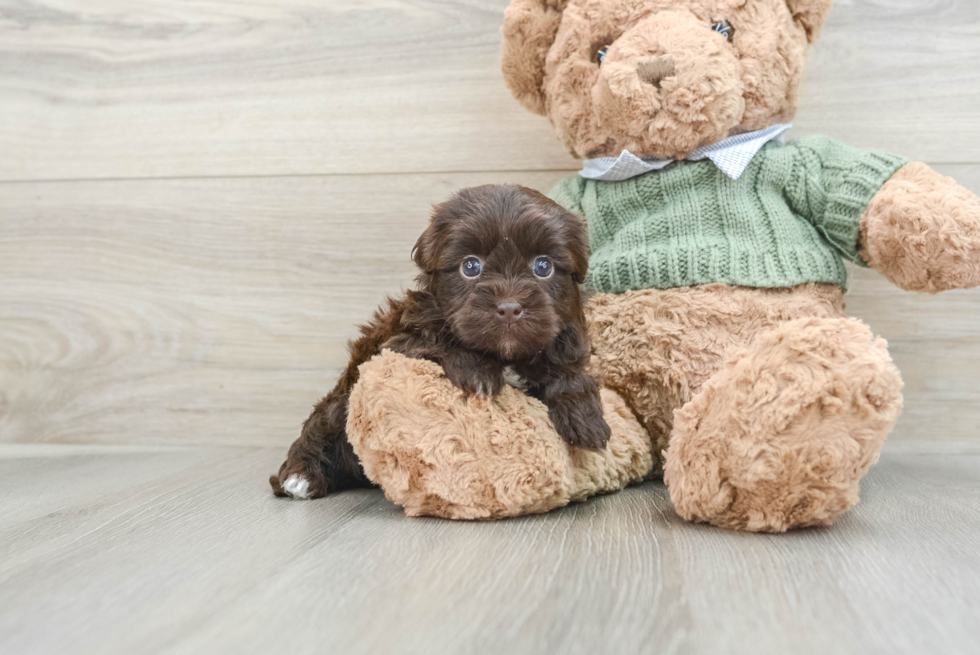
x: 510, y: 311
x: 655, y: 69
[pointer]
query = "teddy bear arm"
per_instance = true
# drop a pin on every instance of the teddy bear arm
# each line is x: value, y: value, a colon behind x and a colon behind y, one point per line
x: 438, y: 451
x: 830, y: 183
x: 922, y: 231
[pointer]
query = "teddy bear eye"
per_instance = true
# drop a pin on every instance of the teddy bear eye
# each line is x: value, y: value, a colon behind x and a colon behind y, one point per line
x: 601, y: 54
x: 724, y: 28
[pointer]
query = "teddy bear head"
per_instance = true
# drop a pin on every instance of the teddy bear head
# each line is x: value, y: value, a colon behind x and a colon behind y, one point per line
x: 659, y: 78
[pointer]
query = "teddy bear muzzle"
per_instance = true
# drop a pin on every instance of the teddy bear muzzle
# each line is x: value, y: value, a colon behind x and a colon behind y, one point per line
x: 669, y: 85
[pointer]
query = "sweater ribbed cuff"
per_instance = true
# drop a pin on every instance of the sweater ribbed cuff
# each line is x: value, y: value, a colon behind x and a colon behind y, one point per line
x: 841, y: 224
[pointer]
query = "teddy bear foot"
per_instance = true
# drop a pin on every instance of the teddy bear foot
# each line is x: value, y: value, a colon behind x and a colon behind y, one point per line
x: 780, y: 437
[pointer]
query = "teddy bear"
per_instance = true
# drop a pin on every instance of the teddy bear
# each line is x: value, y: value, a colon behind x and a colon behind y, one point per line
x: 717, y: 318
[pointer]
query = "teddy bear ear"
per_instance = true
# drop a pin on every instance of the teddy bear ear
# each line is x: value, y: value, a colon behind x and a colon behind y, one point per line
x: 529, y: 30
x: 810, y: 14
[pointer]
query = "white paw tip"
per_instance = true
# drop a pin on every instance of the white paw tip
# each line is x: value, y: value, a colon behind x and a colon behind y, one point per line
x: 297, y: 486
x: 513, y: 379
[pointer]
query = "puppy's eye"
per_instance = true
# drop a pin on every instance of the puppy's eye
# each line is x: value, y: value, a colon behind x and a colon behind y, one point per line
x: 543, y: 267
x: 724, y: 28
x: 471, y: 267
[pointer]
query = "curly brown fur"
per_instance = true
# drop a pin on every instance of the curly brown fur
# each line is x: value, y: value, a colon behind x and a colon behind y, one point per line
x: 475, y: 326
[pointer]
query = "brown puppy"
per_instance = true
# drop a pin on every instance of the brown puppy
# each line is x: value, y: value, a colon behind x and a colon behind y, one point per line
x: 498, y: 293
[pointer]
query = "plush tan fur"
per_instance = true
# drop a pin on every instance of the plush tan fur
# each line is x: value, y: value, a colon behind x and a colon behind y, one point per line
x: 780, y: 436
x: 688, y: 361
x: 922, y: 232
x: 762, y: 407
x: 529, y: 30
x: 717, y: 87
x: 757, y: 445
x: 437, y: 451
x: 810, y: 14
x: 657, y: 347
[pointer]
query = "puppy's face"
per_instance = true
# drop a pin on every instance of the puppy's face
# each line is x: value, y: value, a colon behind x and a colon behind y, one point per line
x: 504, y: 264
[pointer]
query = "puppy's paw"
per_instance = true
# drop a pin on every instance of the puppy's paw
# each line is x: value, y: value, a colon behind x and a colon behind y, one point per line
x: 297, y: 486
x: 579, y: 423
x: 295, y: 482
x: 482, y: 378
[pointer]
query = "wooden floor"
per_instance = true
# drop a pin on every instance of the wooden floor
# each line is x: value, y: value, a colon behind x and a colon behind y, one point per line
x: 198, y: 202
x: 131, y: 550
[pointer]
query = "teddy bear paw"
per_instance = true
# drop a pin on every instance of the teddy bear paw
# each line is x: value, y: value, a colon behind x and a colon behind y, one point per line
x: 922, y: 232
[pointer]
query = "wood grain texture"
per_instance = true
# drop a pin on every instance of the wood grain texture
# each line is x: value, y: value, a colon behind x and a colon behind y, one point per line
x: 188, y: 552
x: 109, y: 89
x: 194, y: 310
x: 216, y: 311
x: 296, y: 147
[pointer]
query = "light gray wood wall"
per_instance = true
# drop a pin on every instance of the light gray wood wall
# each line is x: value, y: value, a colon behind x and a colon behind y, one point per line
x: 198, y: 201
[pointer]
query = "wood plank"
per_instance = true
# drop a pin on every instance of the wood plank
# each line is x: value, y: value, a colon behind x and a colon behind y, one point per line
x: 898, y: 76
x: 178, y: 311
x: 188, y: 552
x: 216, y: 311
x: 171, y: 88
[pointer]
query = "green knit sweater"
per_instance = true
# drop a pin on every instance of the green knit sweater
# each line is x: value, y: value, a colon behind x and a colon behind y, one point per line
x: 788, y: 219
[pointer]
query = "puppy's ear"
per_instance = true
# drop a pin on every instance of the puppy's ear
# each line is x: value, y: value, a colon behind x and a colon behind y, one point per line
x: 529, y: 30
x: 427, y: 252
x: 810, y: 14
x: 578, y: 246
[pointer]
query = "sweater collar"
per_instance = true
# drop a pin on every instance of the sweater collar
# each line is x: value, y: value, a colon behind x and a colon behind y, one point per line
x: 732, y: 156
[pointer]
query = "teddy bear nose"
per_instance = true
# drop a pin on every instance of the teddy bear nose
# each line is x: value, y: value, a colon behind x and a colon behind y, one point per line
x: 655, y: 69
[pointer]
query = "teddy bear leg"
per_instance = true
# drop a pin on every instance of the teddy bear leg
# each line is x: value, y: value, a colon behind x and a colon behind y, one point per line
x: 779, y: 437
